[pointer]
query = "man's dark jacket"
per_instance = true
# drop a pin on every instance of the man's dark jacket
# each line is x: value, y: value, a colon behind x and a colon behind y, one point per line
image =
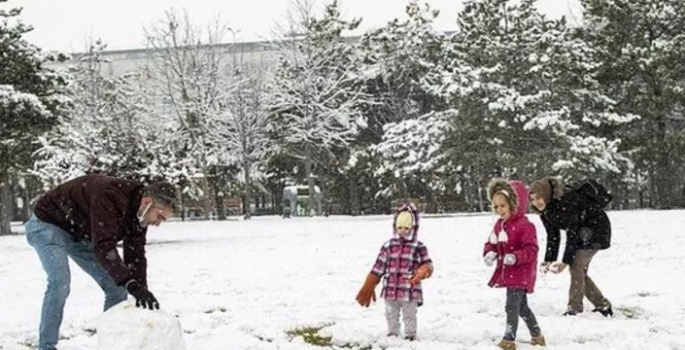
x: 103, y: 210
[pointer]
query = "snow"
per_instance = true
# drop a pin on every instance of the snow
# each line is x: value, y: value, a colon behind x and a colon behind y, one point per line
x: 245, y: 284
x: 125, y: 327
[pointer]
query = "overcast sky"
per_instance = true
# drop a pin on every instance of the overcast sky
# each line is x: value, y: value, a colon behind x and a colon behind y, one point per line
x: 65, y: 24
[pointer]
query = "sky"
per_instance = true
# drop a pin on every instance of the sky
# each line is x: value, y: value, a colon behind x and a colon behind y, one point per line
x: 66, y: 25
x: 246, y: 284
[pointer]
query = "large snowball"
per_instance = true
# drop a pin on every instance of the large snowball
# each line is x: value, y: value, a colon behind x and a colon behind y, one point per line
x: 125, y: 327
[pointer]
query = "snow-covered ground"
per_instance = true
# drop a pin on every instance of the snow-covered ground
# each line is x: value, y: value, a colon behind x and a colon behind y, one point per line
x: 245, y: 284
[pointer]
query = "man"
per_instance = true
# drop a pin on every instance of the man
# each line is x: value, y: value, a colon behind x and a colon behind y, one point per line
x: 84, y: 219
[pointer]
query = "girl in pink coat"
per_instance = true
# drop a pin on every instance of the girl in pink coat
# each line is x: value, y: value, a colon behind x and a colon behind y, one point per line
x: 513, y: 246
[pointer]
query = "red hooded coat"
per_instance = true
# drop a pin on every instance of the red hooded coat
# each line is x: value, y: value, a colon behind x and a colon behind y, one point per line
x: 515, y: 235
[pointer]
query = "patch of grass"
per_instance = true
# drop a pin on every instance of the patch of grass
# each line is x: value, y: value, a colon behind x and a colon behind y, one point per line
x: 630, y: 312
x: 311, y: 335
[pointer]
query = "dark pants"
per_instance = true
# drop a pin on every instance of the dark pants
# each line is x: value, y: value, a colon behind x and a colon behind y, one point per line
x: 581, y: 283
x: 517, y: 305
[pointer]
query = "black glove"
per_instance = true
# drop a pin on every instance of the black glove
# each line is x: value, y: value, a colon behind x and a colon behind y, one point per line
x: 144, y: 297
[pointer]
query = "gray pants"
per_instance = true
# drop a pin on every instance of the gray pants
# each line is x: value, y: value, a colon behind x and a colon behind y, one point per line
x: 517, y: 305
x: 581, y: 284
x: 392, y: 315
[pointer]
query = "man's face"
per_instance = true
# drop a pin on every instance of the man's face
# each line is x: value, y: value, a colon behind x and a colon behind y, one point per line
x: 156, y: 214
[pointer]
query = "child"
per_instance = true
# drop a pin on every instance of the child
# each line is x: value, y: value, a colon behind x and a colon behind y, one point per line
x: 402, y: 263
x: 514, y: 246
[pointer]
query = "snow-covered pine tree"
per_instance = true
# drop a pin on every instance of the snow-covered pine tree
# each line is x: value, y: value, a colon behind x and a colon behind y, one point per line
x: 315, y: 91
x: 397, y: 59
x: 400, y: 62
x: 31, y: 99
x: 527, y: 99
x: 641, y: 48
x: 413, y: 152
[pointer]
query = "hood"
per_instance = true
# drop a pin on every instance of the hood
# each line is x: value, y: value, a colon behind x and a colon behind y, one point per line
x: 516, y: 192
x: 521, y: 198
x: 411, y: 208
x: 550, y: 188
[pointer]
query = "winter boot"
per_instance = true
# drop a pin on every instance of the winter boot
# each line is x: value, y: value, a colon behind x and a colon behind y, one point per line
x: 539, y: 340
x: 507, y: 344
x: 606, y: 311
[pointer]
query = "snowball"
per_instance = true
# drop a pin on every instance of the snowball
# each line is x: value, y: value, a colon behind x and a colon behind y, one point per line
x: 126, y: 327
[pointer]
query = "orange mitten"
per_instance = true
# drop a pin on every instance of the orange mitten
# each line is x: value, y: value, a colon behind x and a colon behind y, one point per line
x: 368, y: 290
x: 422, y: 272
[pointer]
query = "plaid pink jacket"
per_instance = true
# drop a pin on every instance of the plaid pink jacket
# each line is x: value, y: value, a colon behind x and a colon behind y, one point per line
x: 398, y: 259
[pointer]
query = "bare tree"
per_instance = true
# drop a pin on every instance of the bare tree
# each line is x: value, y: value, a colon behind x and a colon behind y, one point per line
x: 242, y: 131
x: 186, y: 66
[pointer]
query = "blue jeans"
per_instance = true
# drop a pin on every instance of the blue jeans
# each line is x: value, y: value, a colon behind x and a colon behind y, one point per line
x: 54, y: 245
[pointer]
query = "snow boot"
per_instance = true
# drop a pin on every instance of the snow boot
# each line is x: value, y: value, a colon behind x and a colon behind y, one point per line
x: 606, y: 311
x: 539, y: 340
x: 507, y: 344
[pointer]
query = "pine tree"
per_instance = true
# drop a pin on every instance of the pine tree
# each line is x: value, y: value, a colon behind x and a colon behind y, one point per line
x: 400, y: 63
x: 640, y: 44
x: 527, y: 99
x: 31, y: 100
x: 397, y: 61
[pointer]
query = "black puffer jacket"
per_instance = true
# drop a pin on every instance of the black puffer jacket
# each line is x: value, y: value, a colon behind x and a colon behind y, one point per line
x: 586, y: 223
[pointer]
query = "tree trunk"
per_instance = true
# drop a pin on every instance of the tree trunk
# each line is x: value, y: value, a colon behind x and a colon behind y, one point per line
x: 30, y: 187
x: 182, y: 207
x: 207, y: 196
x: 248, y: 190
x: 310, y: 181
x: 432, y: 205
x: 354, y: 195
x: 479, y: 194
x: 663, y: 179
x: 218, y: 198
x: 663, y: 183
x: 5, y: 205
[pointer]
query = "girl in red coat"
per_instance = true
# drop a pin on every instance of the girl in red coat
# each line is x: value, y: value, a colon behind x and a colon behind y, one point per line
x: 513, y: 246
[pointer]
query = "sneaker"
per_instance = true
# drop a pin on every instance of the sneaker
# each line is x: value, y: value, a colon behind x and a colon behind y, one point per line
x: 410, y: 338
x: 569, y: 313
x: 507, y: 344
x: 539, y: 340
x: 392, y: 335
x: 606, y: 311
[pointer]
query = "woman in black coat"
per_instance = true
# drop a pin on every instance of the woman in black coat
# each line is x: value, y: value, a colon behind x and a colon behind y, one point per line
x: 588, y: 230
